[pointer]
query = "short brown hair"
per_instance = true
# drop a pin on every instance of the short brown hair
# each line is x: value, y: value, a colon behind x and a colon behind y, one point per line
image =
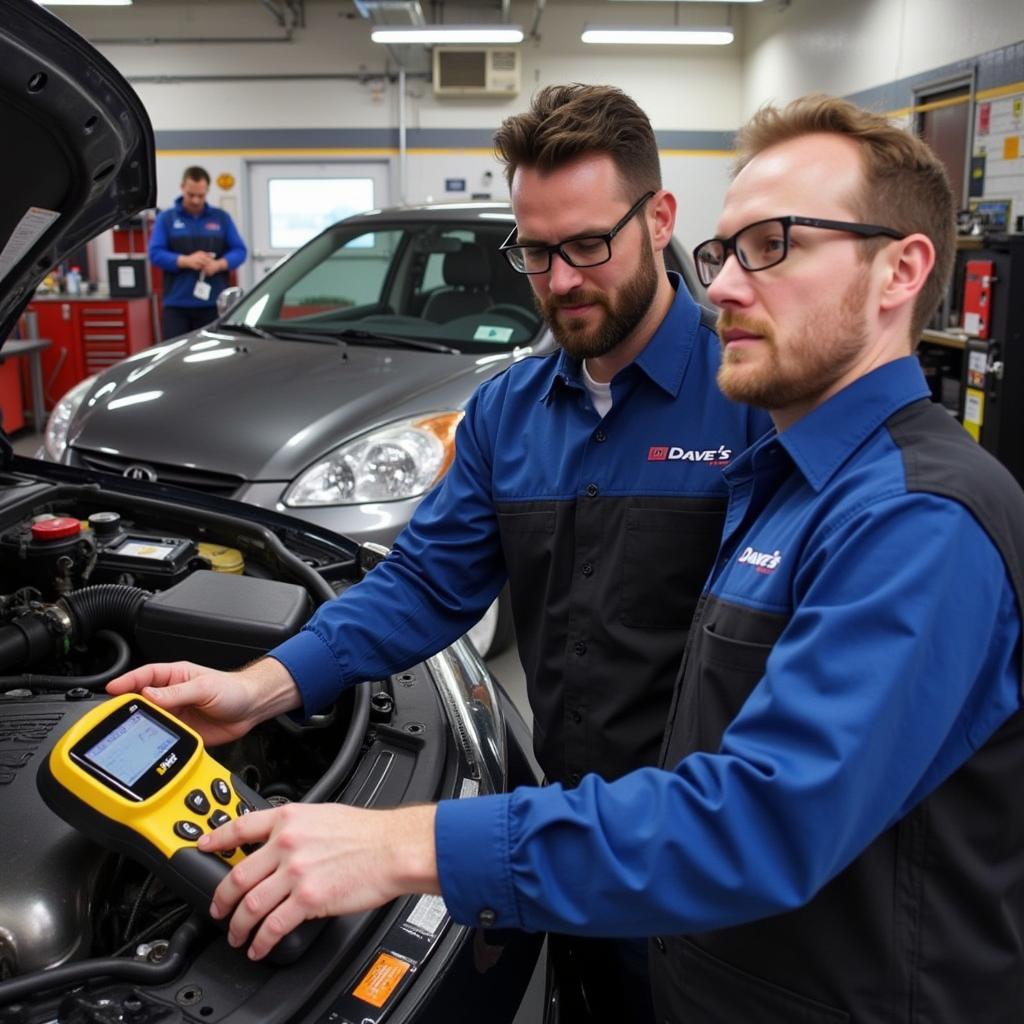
x: 569, y: 121
x: 905, y: 184
x: 195, y: 173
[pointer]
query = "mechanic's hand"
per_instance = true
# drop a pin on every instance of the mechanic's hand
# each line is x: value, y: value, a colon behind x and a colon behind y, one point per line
x: 220, y: 706
x: 194, y: 260
x: 214, y: 264
x: 319, y: 860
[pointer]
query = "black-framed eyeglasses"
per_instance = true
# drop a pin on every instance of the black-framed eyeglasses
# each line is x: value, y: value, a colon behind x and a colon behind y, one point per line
x: 765, y: 243
x: 581, y: 251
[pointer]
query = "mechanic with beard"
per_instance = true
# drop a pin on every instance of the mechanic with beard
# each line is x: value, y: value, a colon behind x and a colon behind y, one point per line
x: 591, y: 480
x: 837, y: 834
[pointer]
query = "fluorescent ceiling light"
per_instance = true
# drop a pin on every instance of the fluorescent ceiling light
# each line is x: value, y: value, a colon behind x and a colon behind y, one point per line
x: 85, y: 3
x: 429, y: 34
x: 657, y: 36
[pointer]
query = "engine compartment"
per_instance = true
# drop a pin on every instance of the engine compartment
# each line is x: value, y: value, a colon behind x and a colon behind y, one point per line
x: 93, y: 585
x: 144, y: 572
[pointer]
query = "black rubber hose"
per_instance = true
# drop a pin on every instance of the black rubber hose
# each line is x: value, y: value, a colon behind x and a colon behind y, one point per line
x: 122, y: 659
x: 14, y: 647
x: 135, y: 971
x: 104, y: 606
x: 348, y: 752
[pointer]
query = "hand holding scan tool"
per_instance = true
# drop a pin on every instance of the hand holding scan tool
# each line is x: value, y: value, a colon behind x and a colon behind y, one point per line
x: 141, y: 783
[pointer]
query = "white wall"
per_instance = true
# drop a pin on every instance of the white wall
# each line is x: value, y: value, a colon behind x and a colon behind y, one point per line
x: 693, y: 90
x: 782, y: 49
x: 845, y: 46
x: 697, y: 89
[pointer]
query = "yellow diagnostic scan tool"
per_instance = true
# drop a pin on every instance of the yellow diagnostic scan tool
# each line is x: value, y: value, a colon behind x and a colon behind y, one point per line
x: 139, y: 782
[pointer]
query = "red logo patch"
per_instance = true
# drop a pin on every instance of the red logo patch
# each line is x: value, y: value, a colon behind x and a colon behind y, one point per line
x: 657, y: 453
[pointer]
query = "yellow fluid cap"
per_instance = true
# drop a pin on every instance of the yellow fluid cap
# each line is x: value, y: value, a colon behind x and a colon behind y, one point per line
x: 221, y: 558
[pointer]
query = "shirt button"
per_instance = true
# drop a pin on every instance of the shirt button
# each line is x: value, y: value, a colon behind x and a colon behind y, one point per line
x: 486, y: 918
x: 579, y: 648
x: 591, y: 490
x: 587, y: 569
x: 600, y: 435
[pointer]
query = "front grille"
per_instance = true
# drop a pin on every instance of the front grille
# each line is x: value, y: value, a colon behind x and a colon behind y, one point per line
x: 225, y: 485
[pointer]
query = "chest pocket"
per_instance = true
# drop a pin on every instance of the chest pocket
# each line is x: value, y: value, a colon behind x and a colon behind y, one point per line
x: 528, y: 540
x: 667, y: 556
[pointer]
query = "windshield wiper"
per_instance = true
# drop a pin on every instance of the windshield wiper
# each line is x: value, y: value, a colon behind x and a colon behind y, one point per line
x: 256, y: 332
x: 399, y: 340
x: 278, y: 333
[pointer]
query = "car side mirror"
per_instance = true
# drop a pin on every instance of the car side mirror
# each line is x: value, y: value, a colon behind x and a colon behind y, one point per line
x: 228, y: 298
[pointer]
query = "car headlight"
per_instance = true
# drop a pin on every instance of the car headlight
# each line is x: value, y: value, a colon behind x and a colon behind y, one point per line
x: 55, y: 440
x: 402, y: 460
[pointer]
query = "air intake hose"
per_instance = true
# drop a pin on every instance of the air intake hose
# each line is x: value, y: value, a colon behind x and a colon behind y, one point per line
x: 73, y: 619
x: 104, y: 606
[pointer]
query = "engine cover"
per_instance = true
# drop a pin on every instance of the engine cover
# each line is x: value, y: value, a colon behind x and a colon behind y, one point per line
x: 50, y: 870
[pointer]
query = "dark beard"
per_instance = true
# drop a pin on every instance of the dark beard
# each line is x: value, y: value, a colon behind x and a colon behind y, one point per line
x: 619, y: 321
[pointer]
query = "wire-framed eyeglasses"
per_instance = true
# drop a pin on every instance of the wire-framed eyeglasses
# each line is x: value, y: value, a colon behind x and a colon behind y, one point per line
x: 581, y: 251
x: 765, y: 243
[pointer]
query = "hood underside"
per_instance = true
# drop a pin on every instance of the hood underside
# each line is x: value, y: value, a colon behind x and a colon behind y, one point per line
x: 80, y: 150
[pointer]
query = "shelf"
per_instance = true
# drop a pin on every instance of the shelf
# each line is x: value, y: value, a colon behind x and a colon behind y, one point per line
x: 948, y: 339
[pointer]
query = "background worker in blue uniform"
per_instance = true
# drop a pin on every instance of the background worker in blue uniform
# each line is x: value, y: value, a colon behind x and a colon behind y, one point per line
x: 837, y: 833
x: 591, y: 480
x: 195, y: 245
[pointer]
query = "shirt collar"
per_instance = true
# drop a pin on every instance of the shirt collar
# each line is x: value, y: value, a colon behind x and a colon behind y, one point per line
x: 179, y: 202
x: 820, y: 442
x: 663, y: 359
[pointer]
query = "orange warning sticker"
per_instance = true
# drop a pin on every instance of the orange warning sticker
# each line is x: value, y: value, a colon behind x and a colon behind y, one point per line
x: 381, y: 980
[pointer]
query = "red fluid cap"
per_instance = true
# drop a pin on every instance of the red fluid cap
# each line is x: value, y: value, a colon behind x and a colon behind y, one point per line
x: 56, y: 529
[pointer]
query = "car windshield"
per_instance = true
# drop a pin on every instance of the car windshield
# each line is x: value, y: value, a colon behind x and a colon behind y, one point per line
x: 392, y: 282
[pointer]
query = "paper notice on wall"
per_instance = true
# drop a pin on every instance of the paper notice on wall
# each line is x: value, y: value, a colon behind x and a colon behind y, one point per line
x: 972, y: 323
x: 1011, y: 147
x: 974, y: 412
x: 977, y: 364
x: 126, y: 276
x: 26, y: 233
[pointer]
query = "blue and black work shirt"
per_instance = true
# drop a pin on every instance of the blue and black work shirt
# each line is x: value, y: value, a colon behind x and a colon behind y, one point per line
x: 846, y: 740
x: 605, y: 529
x: 178, y: 233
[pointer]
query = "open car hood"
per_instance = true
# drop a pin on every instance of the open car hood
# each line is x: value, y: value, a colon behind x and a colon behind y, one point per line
x: 80, y: 150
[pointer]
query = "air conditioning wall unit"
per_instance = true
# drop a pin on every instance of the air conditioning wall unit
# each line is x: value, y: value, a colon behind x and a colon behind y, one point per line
x: 476, y: 71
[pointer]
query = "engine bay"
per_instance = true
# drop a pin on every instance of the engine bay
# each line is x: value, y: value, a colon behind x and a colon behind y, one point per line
x: 95, y: 583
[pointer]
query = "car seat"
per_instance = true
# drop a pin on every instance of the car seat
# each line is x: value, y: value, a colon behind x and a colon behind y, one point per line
x: 467, y: 276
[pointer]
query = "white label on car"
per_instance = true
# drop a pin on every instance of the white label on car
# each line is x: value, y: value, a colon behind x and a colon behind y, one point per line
x: 469, y: 787
x: 427, y: 915
x: 27, y: 232
x: 499, y: 334
x: 159, y: 552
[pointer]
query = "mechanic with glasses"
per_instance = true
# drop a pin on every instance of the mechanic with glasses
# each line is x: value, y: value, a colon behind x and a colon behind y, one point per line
x: 590, y: 479
x: 836, y: 832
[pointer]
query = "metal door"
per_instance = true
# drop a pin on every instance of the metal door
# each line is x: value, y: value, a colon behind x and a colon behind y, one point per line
x: 291, y: 202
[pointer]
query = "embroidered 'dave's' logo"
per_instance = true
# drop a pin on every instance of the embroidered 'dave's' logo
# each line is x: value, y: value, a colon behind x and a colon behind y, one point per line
x: 719, y: 456
x: 763, y: 562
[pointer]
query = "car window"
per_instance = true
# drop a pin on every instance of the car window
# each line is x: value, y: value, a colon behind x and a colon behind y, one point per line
x: 352, y: 275
x: 423, y: 279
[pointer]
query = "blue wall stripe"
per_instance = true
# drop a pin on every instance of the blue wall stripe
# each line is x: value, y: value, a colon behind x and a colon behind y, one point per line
x: 1004, y: 66
x: 384, y: 138
x: 996, y: 68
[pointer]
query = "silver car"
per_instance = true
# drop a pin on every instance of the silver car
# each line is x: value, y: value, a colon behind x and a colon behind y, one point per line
x: 333, y: 390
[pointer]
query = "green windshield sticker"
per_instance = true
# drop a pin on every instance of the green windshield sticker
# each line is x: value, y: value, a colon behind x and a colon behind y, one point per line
x: 498, y: 334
